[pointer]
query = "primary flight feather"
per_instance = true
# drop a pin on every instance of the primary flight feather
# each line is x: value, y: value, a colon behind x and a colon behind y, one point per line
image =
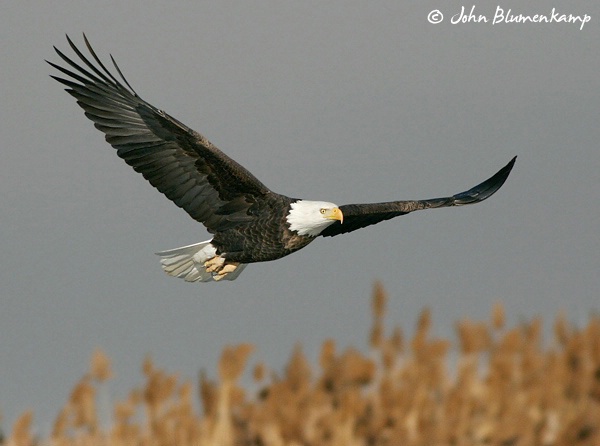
x: 249, y: 222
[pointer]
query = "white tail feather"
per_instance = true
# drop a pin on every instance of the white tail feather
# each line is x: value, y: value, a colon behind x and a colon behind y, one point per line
x: 187, y: 262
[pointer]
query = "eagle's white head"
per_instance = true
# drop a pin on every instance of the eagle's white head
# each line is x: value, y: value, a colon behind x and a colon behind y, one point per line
x: 312, y: 217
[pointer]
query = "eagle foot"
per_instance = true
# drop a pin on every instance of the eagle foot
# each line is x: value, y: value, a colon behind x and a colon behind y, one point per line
x: 214, y: 265
x: 218, y: 267
x: 225, y: 269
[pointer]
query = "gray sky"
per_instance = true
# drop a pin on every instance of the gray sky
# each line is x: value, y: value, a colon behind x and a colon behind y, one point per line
x: 343, y: 101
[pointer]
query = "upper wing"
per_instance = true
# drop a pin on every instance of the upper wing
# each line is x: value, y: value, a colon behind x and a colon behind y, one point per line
x: 358, y: 216
x: 179, y: 162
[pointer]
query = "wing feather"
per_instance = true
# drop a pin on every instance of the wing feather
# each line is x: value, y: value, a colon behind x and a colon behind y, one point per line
x: 182, y: 164
x: 358, y: 216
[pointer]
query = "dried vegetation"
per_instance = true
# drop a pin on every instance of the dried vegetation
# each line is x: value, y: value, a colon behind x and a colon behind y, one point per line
x: 504, y: 388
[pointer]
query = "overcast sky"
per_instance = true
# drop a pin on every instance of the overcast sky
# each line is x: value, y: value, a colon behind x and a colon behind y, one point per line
x: 343, y: 101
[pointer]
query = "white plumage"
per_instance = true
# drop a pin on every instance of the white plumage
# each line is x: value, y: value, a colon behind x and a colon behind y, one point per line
x: 310, y: 217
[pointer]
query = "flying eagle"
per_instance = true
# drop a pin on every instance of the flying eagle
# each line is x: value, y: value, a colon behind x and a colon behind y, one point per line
x: 249, y: 222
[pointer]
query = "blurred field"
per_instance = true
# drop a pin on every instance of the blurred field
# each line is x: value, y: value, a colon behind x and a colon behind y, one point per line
x: 506, y: 387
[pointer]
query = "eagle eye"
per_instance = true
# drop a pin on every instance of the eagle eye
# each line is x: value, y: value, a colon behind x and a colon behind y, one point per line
x: 323, y: 210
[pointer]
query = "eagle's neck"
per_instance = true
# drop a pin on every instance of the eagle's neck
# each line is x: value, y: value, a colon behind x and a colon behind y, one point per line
x: 304, y: 217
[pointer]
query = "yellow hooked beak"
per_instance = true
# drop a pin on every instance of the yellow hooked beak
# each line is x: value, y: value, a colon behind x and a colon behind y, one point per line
x: 334, y: 214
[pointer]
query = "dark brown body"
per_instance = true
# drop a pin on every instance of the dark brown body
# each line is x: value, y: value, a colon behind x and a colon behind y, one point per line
x: 265, y: 238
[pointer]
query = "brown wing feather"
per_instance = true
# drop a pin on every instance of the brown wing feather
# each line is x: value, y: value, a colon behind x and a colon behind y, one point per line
x: 358, y: 216
x: 182, y: 164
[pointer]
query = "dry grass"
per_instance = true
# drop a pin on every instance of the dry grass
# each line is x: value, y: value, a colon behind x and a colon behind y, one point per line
x: 399, y: 394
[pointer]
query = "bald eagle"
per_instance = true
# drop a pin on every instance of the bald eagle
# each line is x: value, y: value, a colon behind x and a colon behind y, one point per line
x: 249, y: 222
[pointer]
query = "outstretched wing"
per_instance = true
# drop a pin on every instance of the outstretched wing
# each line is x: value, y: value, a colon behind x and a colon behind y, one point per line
x: 182, y: 164
x: 358, y: 216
